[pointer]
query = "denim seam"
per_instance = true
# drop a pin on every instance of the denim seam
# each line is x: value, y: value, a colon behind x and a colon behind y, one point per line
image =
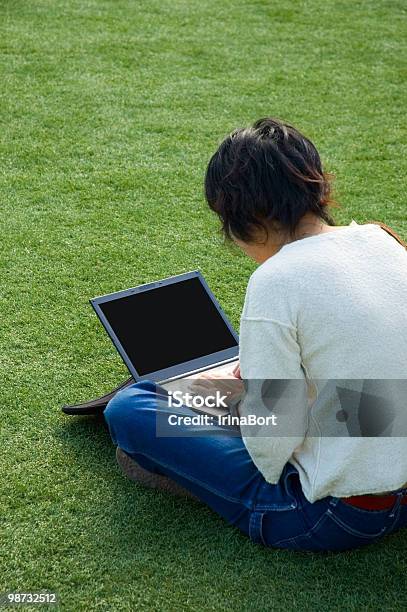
x: 256, y: 527
x: 395, y: 518
x: 292, y: 505
x: 308, y: 534
x: 395, y: 512
x: 355, y: 532
x: 273, y: 508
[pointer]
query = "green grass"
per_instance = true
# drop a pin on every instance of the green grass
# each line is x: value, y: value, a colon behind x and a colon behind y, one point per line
x: 110, y: 110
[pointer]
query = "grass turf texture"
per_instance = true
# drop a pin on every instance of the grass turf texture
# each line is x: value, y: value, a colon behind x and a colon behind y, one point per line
x: 110, y: 111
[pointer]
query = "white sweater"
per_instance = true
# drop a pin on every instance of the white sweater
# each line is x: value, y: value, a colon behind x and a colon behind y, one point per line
x: 331, y: 306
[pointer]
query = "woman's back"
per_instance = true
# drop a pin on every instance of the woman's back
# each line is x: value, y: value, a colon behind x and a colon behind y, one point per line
x: 332, y: 308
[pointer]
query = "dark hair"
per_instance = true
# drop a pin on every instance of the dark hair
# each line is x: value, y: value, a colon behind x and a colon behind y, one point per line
x: 265, y: 174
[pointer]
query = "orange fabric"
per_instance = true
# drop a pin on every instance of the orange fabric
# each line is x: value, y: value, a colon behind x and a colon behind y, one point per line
x: 388, y: 229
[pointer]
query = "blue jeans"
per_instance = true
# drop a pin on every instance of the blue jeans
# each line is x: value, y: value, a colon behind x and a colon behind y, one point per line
x: 218, y: 469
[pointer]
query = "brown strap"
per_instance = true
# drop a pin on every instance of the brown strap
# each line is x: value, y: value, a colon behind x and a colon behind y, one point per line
x: 388, y: 229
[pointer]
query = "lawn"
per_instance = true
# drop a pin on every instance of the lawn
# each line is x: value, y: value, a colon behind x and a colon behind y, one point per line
x: 110, y: 110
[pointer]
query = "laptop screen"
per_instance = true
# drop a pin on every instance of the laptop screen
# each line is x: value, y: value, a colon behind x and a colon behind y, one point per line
x: 169, y: 325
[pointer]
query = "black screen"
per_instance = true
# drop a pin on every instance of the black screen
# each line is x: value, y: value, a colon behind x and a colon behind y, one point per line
x: 166, y: 326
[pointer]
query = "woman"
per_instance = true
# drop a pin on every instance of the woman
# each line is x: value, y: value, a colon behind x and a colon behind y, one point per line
x: 326, y: 303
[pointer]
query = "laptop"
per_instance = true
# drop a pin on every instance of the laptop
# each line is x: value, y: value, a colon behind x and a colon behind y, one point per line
x: 165, y: 331
x: 168, y: 329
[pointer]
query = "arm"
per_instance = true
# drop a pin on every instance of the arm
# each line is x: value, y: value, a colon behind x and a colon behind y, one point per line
x: 270, y: 362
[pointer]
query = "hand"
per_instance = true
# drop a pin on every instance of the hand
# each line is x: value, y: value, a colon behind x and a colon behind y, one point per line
x: 227, y: 383
x: 236, y: 370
